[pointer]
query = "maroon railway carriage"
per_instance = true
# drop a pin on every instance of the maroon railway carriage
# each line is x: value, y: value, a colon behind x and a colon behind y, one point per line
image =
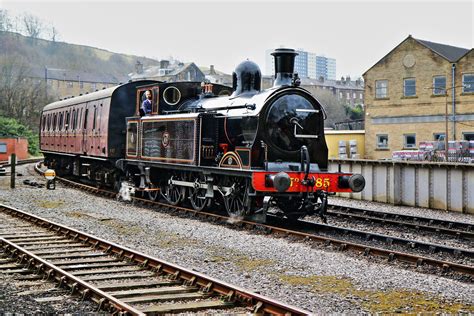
x: 85, y: 135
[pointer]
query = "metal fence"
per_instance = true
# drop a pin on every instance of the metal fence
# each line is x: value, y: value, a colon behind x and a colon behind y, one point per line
x: 438, y: 185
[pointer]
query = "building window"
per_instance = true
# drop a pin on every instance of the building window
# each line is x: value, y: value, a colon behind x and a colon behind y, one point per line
x: 468, y: 83
x: 409, y: 140
x: 438, y: 136
x: 439, y: 85
x: 381, y: 89
x: 93, y: 86
x: 340, y: 95
x: 409, y: 87
x: 468, y: 136
x: 3, y: 148
x: 348, y: 95
x: 360, y: 96
x: 81, y: 84
x: 382, y: 141
x: 70, y: 84
x: 354, y: 95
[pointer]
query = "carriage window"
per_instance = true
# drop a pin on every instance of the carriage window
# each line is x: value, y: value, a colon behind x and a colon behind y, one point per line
x: 43, y: 123
x: 99, y: 116
x: 95, y: 118
x: 55, y: 121
x: 79, y: 118
x: 76, y: 119
x: 60, y: 123
x: 85, y: 118
x: 73, y: 120
x: 68, y: 117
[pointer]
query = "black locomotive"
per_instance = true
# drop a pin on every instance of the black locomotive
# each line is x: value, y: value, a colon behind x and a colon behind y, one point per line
x: 206, y: 144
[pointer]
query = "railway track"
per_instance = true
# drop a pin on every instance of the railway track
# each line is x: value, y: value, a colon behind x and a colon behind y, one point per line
x: 5, y: 164
x: 308, y: 231
x: 456, y: 229
x: 118, y: 279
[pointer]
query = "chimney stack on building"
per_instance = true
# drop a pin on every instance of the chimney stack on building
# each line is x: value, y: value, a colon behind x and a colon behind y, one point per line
x: 139, y: 67
x: 164, y: 64
x: 212, y: 71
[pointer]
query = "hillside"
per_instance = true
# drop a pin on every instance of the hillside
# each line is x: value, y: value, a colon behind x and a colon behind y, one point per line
x: 39, y: 53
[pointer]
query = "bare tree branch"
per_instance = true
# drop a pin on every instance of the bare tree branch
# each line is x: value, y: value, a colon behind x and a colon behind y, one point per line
x: 5, y: 21
x: 33, y: 26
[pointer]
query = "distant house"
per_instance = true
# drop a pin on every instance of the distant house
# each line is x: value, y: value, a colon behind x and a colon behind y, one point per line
x: 66, y: 82
x: 169, y: 72
x: 349, y: 92
x: 216, y: 76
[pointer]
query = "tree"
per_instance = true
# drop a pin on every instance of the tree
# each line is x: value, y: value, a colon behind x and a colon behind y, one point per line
x: 335, y: 109
x: 32, y: 25
x: 21, y: 96
x: 11, y: 127
x: 5, y: 21
x: 53, y: 33
x: 356, y: 112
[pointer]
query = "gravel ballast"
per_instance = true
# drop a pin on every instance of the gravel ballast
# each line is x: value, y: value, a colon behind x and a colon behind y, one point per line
x: 297, y: 273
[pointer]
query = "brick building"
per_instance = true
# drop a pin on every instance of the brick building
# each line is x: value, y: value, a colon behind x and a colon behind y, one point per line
x: 408, y: 92
x: 349, y: 92
x: 16, y: 145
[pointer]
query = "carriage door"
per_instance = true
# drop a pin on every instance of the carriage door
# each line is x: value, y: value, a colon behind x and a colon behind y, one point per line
x: 84, y: 129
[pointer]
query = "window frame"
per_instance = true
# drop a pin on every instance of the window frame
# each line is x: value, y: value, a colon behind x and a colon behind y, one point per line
x: 464, y: 134
x: 94, y: 119
x: 471, y: 83
x: 443, y: 92
x: 405, y: 143
x: 6, y: 148
x: 61, y: 121
x: 377, y: 137
x: 67, y: 120
x: 377, y: 89
x: 439, y: 136
x: 405, y: 87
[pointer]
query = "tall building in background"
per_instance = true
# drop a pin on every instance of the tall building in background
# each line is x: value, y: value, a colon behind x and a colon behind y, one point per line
x: 307, y: 65
x: 301, y: 63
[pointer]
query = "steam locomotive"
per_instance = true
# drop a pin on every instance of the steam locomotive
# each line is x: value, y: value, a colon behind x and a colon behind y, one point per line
x: 243, y: 148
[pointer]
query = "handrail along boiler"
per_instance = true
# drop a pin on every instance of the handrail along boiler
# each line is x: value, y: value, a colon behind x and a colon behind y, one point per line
x: 252, y: 151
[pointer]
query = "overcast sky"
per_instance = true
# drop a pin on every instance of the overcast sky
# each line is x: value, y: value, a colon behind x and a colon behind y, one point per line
x: 224, y: 33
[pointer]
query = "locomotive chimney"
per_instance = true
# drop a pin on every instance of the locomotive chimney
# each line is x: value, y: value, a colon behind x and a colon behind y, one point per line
x: 284, y: 66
